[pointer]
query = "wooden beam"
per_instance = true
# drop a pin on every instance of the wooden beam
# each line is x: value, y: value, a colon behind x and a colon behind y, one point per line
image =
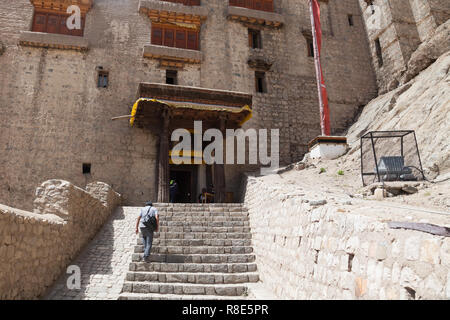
x: 163, y: 163
x: 219, y: 172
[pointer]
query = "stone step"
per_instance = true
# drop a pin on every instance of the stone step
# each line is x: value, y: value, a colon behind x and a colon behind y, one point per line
x: 185, y: 288
x: 198, y: 242
x: 201, y: 215
x: 187, y: 218
x: 202, y: 235
x: 188, y: 277
x: 196, y: 249
x: 204, y: 229
x: 196, y: 258
x: 194, y: 267
x: 158, y: 296
x: 203, y: 223
x: 166, y: 204
x: 200, y: 208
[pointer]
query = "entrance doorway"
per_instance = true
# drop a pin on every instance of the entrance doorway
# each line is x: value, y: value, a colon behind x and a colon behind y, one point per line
x: 185, y: 176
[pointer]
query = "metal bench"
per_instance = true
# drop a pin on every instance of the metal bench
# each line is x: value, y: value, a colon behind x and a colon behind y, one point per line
x: 393, y: 169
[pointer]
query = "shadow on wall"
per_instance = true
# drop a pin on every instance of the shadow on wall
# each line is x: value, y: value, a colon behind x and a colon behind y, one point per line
x: 95, y: 261
x: 36, y: 247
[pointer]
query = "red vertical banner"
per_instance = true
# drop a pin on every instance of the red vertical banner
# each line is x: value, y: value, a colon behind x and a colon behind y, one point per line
x: 321, y: 88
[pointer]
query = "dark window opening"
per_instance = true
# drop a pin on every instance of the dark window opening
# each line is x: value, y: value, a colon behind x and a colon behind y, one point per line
x: 379, y: 52
x: 254, y: 39
x: 260, y: 82
x: 350, y: 20
x: 350, y: 262
x: 171, y: 77
x: 310, y: 48
x: 102, y: 81
x: 86, y: 168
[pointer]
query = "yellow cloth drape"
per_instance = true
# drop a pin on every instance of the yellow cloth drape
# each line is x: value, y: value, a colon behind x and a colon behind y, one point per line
x: 191, y: 105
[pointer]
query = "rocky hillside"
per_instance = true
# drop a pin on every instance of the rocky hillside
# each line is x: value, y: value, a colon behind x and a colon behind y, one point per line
x: 423, y: 105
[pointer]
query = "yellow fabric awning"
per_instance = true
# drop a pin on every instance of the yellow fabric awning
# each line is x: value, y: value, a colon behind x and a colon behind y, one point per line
x: 193, y: 106
x: 185, y: 25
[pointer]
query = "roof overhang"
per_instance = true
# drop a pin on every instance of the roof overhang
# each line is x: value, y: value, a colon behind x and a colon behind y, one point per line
x: 191, y: 103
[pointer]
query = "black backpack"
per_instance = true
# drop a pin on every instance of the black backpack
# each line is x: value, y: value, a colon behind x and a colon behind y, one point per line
x: 149, y: 220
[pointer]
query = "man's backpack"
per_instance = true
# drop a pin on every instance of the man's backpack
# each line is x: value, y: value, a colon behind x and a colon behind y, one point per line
x: 149, y: 220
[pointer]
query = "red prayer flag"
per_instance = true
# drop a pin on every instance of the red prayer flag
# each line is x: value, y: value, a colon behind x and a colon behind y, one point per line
x: 317, y: 33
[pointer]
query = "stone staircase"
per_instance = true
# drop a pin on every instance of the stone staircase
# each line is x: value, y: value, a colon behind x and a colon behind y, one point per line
x: 202, y: 251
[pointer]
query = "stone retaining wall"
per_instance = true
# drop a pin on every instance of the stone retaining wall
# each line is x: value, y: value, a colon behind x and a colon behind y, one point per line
x: 35, y: 247
x: 310, y: 249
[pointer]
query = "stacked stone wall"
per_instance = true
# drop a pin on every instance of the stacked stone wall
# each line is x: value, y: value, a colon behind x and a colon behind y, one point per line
x: 310, y: 250
x: 36, y: 247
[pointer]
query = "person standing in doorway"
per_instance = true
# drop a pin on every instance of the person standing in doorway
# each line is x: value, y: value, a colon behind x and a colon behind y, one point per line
x: 148, y: 222
x: 173, y: 190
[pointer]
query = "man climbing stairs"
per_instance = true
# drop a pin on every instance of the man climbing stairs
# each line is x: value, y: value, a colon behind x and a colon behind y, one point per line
x: 202, y: 251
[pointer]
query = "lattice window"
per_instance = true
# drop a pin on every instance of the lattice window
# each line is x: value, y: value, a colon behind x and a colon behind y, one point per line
x: 175, y: 37
x: 52, y: 21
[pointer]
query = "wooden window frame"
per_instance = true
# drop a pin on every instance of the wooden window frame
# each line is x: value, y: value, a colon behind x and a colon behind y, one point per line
x: 102, y: 74
x: 251, y: 39
x: 175, y: 30
x: 61, y: 16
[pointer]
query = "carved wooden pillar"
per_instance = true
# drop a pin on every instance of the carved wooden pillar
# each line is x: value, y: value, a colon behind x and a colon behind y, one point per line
x: 163, y: 163
x: 219, y: 172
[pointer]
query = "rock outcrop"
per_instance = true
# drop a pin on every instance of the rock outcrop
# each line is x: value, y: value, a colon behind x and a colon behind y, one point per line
x: 428, y: 52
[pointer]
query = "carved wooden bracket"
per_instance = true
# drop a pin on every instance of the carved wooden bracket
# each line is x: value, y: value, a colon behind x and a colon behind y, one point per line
x: 62, y: 5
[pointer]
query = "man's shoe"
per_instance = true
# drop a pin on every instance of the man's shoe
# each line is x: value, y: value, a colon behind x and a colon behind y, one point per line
x: 146, y: 259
